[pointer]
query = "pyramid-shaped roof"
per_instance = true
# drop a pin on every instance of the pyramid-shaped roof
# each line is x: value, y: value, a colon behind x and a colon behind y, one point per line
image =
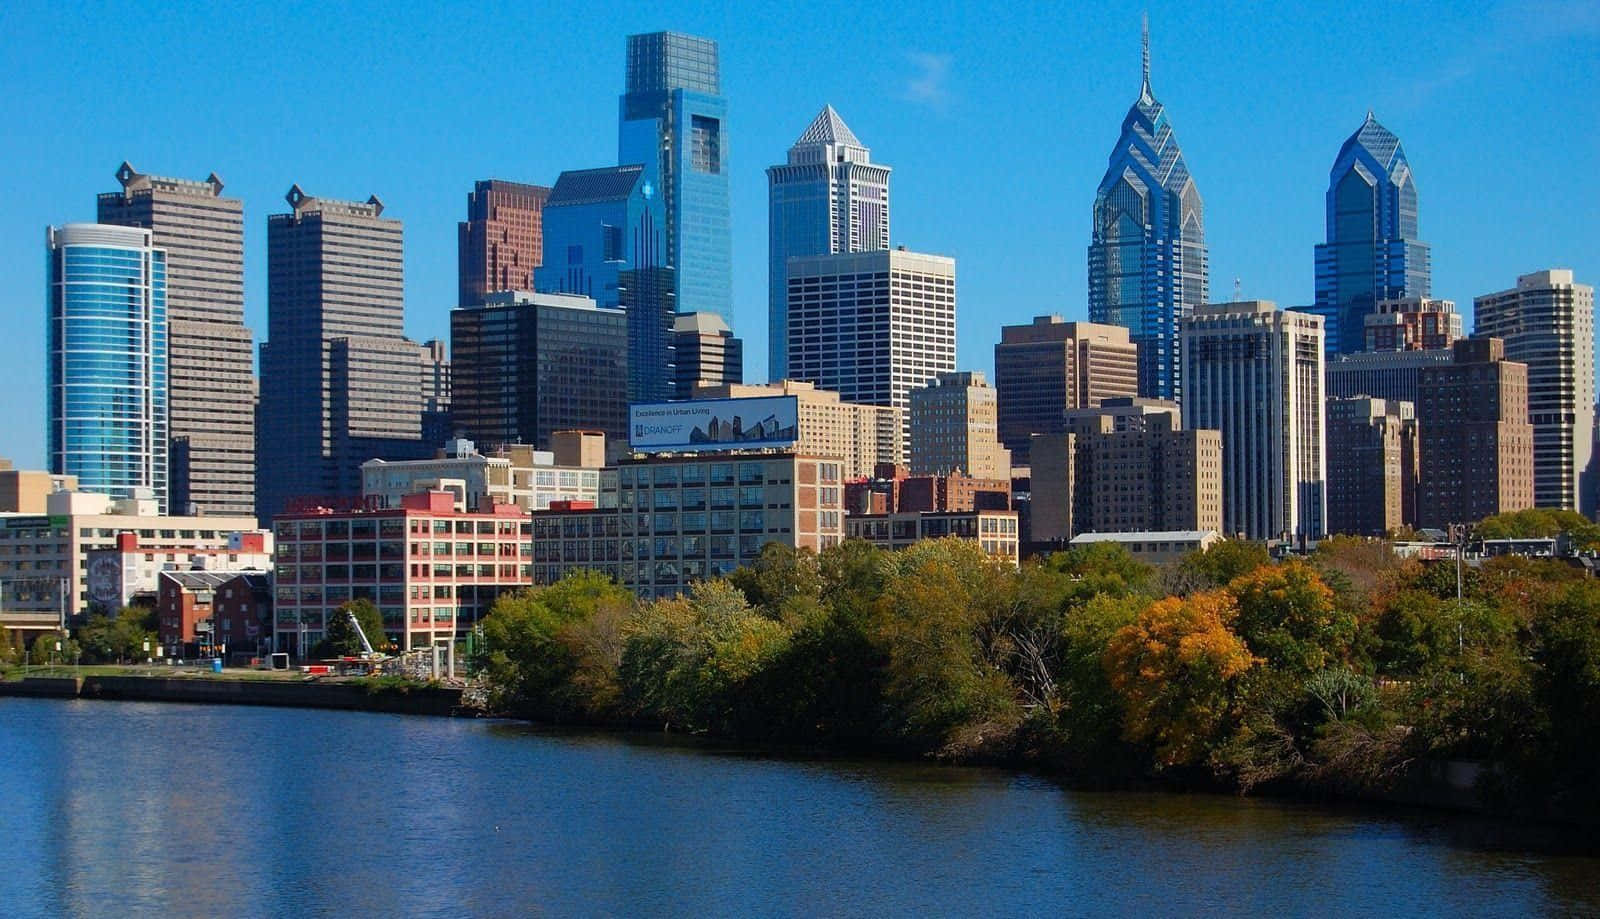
x: 828, y: 128
x: 1378, y: 140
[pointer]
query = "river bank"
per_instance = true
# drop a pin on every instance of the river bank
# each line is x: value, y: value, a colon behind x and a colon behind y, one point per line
x: 371, y: 696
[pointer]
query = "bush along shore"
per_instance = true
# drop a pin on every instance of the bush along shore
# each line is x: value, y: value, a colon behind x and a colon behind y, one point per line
x: 1349, y: 672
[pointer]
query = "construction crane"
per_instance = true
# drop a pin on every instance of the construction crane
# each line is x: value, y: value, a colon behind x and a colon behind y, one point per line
x: 366, y: 646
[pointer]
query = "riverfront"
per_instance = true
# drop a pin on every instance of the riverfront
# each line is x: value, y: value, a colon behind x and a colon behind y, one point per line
x: 139, y: 808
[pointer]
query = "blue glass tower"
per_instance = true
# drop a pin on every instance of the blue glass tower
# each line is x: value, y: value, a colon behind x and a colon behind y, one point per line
x: 829, y: 197
x: 1147, y: 254
x: 107, y: 364
x: 1372, y: 252
x: 673, y: 117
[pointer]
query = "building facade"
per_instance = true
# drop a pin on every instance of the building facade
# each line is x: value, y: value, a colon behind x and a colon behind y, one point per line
x: 872, y: 326
x: 674, y: 121
x: 25, y: 491
x: 127, y: 572
x: 863, y: 436
x: 514, y: 474
x: 1477, y: 445
x: 502, y: 240
x: 1373, y: 452
x: 214, y: 612
x: 1412, y: 324
x: 1372, y: 253
x: 106, y: 359
x: 1547, y: 323
x: 1387, y: 375
x: 704, y: 353
x: 994, y: 531
x: 829, y: 197
x: 1050, y: 366
x: 1147, y: 252
x: 1254, y: 372
x: 210, y: 379
x: 527, y: 365
x: 954, y: 428
x: 432, y: 571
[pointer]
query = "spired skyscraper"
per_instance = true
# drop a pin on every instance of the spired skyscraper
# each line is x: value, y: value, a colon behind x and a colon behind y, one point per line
x: 1147, y: 255
x: 1372, y: 253
x: 829, y: 197
x: 672, y: 117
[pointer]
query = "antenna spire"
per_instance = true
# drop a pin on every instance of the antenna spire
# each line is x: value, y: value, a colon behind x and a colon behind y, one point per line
x: 1144, y: 23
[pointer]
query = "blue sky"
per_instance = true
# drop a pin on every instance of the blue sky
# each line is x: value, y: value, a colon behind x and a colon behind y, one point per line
x: 997, y: 119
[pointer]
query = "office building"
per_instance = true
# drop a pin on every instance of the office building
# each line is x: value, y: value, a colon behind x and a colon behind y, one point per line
x: 1412, y: 324
x: 829, y: 197
x: 893, y: 490
x: 953, y: 428
x: 502, y: 240
x: 1547, y: 323
x: 1147, y: 253
x: 863, y: 436
x: 432, y: 571
x: 673, y: 121
x: 45, y: 574
x: 995, y: 531
x: 340, y: 382
x: 872, y: 326
x: 1477, y: 445
x: 106, y: 359
x: 1050, y: 366
x: 1388, y: 375
x: 210, y: 368
x: 1373, y: 451
x: 1372, y: 252
x: 529, y: 364
x: 514, y: 474
x: 1254, y: 372
x: 704, y: 353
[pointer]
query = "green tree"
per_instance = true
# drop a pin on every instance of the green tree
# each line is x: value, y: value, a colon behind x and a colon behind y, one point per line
x: 1567, y: 688
x: 121, y: 638
x: 1287, y: 616
x: 1541, y: 523
x: 341, y: 640
x: 553, y: 651
x: 1102, y: 568
x: 780, y: 576
x: 44, y: 651
x: 1224, y: 561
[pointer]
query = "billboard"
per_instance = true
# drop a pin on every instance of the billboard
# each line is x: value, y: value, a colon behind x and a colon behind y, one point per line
x: 715, y: 424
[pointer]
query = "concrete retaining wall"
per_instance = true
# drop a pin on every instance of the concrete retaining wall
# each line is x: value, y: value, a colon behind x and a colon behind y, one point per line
x: 412, y: 701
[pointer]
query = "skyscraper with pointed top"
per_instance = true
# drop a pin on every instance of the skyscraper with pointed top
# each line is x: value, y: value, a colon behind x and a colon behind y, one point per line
x: 1147, y: 253
x: 828, y: 198
x: 1372, y: 253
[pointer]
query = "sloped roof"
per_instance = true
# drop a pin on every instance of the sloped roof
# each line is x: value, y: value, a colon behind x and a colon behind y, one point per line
x: 828, y: 128
x: 584, y: 186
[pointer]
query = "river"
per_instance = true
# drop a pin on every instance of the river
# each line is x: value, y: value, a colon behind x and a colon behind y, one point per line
x: 116, y: 809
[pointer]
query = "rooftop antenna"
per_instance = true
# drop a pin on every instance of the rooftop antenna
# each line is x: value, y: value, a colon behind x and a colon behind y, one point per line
x: 1144, y: 28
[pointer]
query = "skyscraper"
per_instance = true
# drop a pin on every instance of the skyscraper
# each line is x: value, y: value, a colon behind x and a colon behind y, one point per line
x: 1046, y: 368
x: 211, y: 383
x: 1372, y: 465
x: 1372, y: 253
x: 1254, y: 372
x: 502, y: 240
x: 106, y: 310
x: 953, y: 428
x: 705, y: 353
x: 1477, y: 446
x: 872, y: 326
x: 1547, y: 322
x: 340, y: 382
x: 672, y: 121
x: 829, y: 197
x: 1147, y: 254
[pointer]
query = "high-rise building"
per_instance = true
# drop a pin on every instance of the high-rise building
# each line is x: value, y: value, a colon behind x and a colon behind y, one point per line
x: 1387, y: 375
x: 1547, y: 322
x: 1046, y: 368
x: 673, y: 120
x: 872, y: 326
x: 106, y: 359
x: 1254, y: 372
x: 829, y: 197
x: 1147, y: 254
x: 501, y: 241
x: 1411, y: 324
x: 1477, y: 445
x: 340, y: 383
x: 953, y: 428
x: 1372, y: 253
x: 210, y: 367
x: 705, y: 353
x: 529, y: 364
x: 864, y: 436
x: 436, y: 426
x: 1372, y: 466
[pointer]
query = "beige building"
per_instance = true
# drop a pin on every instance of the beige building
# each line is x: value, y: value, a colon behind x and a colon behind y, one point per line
x: 24, y: 491
x: 954, y: 428
x: 44, y: 558
x: 1372, y: 466
x: 1157, y: 548
x: 994, y: 531
x: 1477, y: 444
x: 1050, y: 366
x: 861, y: 435
x: 515, y: 474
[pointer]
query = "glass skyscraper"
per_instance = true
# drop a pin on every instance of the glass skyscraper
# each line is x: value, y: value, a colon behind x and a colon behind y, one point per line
x: 1372, y: 253
x: 673, y: 115
x: 107, y: 362
x: 829, y: 197
x: 1147, y: 254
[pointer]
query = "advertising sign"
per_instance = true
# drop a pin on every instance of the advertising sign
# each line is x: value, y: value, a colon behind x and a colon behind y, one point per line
x: 715, y: 424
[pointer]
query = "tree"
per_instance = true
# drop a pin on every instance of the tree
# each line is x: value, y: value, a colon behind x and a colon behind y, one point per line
x: 43, y: 650
x: 119, y: 639
x: 1287, y: 616
x: 1102, y: 568
x: 1224, y: 561
x: 1567, y: 687
x: 1176, y: 670
x: 778, y: 576
x: 553, y: 651
x: 341, y: 640
x: 1541, y: 523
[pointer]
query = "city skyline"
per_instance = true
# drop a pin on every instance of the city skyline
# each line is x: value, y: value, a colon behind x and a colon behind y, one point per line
x: 911, y: 96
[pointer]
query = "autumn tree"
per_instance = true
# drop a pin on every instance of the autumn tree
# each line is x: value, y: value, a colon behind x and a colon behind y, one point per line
x: 1288, y: 617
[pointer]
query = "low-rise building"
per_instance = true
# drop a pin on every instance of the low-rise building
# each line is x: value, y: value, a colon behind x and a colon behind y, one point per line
x: 513, y: 474
x: 214, y: 612
x: 1155, y: 548
x: 994, y: 530
x: 862, y: 435
x: 24, y: 491
x: 126, y: 574
x: 892, y: 490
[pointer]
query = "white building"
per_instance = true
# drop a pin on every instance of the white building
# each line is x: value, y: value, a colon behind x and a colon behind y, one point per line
x: 1157, y: 547
x: 516, y: 474
x: 1254, y: 372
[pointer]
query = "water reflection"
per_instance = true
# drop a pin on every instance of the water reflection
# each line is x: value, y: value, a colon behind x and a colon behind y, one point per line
x: 237, y: 811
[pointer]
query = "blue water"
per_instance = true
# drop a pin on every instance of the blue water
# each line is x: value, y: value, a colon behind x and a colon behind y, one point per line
x: 113, y: 809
